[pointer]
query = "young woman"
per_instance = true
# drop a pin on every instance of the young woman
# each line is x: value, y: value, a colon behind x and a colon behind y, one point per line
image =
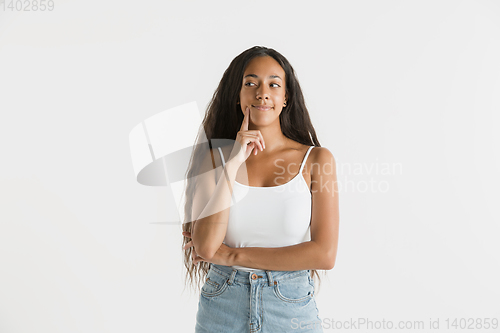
x: 264, y: 214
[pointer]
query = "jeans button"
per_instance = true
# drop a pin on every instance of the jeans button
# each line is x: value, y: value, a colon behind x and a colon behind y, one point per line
x: 254, y: 276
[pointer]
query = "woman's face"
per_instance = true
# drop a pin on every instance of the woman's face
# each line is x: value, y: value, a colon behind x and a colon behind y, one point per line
x: 263, y: 90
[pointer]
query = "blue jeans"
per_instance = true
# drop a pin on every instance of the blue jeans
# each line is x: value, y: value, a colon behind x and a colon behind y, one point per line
x: 236, y: 301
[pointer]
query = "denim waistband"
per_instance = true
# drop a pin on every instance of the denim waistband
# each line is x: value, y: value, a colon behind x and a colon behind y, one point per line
x: 244, y: 277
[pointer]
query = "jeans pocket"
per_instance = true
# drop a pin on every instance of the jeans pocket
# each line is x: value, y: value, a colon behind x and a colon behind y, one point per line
x: 294, y: 290
x: 215, y: 284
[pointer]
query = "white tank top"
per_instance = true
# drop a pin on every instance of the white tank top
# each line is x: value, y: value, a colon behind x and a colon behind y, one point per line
x: 274, y: 216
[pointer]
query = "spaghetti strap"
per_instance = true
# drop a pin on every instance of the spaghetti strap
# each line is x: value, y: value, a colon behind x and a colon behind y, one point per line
x: 222, y: 157
x: 304, y: 160
x: 223, y: 163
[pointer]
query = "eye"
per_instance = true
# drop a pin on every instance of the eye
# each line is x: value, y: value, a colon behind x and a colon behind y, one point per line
x: 248, y: 83
x: 276, y: 84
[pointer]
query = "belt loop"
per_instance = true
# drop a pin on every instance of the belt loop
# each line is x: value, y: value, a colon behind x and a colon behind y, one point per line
x: 231, y: 278
x: 270, y: 278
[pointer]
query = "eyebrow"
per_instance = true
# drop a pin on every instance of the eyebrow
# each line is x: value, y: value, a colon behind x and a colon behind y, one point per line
x: 270, y: 76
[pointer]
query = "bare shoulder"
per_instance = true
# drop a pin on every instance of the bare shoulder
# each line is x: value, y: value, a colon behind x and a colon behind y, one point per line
x: 322, y: 159
x: 217, y: 159
x: 211, y: 160
x: 208, y: 161
x: 321, y: 153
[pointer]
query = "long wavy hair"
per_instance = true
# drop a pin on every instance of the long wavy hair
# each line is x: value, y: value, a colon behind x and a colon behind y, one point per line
x: 223, y: 120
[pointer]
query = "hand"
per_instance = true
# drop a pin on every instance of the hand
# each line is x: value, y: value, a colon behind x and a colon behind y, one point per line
x: 246, y: 141
x: 224, y: 255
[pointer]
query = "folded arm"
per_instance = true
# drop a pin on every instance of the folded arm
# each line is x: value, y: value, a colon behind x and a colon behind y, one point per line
x: 319, y: 253
x: 307, y: 255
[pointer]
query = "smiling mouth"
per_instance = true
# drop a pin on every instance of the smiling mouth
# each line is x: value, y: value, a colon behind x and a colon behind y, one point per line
x: 262, y: 107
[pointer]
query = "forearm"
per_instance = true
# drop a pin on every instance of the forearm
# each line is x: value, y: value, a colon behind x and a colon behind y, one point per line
x: 306, y: 255
x: 210, y: 228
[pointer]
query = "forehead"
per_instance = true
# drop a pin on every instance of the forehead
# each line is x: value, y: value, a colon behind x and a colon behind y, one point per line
x: 264, y: 66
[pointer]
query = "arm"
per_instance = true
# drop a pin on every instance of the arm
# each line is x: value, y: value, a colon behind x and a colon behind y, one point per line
x: 306, y: 255
x: 321, y: 251
x: 210, y: 227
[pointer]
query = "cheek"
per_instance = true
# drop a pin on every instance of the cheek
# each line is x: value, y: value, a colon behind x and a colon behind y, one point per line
x: 245, y: 98
x: 242, y: 94
x: 280, y: 98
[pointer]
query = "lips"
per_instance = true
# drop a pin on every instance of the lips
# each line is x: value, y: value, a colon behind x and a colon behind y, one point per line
x: 262, y: 107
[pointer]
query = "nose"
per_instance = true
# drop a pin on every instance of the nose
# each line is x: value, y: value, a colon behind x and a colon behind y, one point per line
x: 262, y: 93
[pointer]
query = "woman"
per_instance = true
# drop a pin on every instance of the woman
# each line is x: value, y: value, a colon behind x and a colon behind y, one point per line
x: 264, y: 215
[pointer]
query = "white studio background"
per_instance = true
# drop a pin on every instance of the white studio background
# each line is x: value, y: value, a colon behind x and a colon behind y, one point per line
x: 405, y: 94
